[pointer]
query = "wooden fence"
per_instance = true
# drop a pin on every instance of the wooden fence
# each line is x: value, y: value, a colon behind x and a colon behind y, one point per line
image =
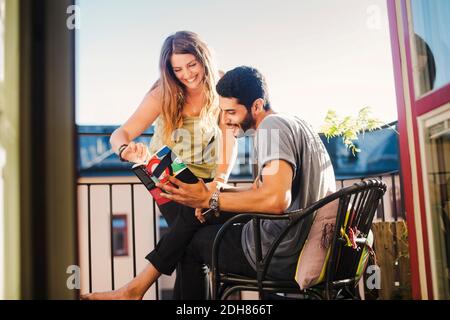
x: 392, y: 255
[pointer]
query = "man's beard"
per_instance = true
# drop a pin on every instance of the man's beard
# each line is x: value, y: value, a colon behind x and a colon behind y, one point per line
x: 248, y: 122
x: 241, y: 129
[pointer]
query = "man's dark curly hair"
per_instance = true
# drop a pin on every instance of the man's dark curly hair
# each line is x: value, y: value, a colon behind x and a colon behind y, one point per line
x: 246, y: 84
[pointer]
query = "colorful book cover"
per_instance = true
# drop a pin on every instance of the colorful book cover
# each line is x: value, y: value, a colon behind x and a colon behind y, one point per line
x: 158, y: 168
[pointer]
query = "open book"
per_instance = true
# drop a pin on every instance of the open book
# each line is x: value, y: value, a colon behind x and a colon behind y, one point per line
x: 157, y: 169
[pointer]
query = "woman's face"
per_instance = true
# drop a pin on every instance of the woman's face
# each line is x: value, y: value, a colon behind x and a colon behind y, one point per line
x: 188, y: 70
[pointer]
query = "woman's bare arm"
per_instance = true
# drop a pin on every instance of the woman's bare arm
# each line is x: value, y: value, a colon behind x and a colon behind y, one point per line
x: 146, y: 113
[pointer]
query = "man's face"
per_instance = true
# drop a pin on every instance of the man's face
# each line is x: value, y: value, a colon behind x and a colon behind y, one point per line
x: 236, y: 116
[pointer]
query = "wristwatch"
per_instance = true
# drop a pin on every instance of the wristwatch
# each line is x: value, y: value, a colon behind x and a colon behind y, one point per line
x: 214, y: 203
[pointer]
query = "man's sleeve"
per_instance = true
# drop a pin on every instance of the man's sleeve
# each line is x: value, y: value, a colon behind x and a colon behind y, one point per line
x: 275, y: 141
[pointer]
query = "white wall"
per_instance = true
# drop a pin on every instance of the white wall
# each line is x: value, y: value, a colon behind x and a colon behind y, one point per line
x: 100, y: 233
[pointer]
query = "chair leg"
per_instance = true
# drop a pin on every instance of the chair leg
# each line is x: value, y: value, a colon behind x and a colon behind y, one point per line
x: 217, y: 288
x: 349, y: 293
x: 313, y: 293
x: 227, y: 292
x: 208, y: 287
x: 353, y: 292
x: 221, y: 290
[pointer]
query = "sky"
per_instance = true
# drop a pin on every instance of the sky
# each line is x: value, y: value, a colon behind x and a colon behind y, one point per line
x: 315, y: 54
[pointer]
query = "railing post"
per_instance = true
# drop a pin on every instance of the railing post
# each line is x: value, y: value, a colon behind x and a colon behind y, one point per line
x: 134, y: 229
x: 111, y: 217
x: 383, y: 217
x: 395, y: 197
x: 89, y: 237
x: 155, y: 240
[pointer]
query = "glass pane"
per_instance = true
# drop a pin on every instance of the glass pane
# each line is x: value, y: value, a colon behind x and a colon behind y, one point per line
x: 438, y: 167
x: 120, y: 245
x: 430, y: 44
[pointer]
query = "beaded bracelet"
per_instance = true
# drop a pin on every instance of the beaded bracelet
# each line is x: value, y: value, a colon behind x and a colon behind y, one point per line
x: 121, y: 148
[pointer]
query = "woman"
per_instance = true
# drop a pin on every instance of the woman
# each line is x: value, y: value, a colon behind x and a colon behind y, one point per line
x: 183, y: 105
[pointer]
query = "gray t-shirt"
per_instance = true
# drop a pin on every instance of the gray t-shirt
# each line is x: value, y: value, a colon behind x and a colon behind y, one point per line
x: 288, y: 138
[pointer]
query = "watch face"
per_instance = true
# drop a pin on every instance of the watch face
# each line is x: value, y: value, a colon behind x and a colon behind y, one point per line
x: 213, y: 203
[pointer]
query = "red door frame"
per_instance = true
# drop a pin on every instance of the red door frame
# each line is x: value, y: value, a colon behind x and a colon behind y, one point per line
x: 404, y: 150
x: 419, y: 107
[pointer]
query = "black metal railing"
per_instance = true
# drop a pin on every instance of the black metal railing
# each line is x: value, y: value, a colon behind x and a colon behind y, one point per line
x: 111, y: 215
x: 391, y: 177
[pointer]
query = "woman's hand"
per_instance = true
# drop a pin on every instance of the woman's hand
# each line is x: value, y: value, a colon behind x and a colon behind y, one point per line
x: 214, y: 185
x: 135, y: 152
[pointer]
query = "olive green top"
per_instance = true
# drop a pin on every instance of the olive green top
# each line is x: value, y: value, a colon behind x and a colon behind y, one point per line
x: 195, y: 143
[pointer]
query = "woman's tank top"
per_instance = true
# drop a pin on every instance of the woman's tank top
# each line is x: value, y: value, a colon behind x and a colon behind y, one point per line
x: 194, y: 143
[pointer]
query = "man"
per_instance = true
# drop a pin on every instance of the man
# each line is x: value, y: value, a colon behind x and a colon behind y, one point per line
x: 293, y: 171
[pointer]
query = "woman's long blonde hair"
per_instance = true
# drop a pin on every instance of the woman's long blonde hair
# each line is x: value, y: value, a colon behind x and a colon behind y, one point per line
x: 173, y: 91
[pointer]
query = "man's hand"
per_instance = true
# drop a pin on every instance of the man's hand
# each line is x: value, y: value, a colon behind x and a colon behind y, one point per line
x: 192, y: 195
x: 214, y: 185
x: 199, y: 215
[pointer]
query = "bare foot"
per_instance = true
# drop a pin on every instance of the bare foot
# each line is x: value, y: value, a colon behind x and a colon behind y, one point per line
x: 133, y: 290
x: 119, y: 294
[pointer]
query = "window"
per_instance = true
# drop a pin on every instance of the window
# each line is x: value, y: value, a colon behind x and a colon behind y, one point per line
x: 120, y: 235
x: 430, y: 43
x: 437, y: 170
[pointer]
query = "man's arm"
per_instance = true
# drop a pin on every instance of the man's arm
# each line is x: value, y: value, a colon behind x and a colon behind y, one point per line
x: 272, y: 196
x: 229, y: 188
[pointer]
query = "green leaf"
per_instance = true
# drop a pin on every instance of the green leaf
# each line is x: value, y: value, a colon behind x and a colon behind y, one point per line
x: 349, y: 127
